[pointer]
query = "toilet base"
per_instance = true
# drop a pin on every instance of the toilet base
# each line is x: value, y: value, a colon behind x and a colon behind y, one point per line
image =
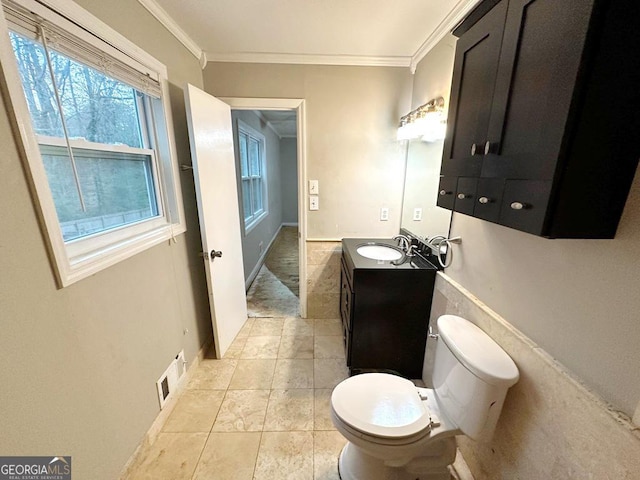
x: 355, y: 464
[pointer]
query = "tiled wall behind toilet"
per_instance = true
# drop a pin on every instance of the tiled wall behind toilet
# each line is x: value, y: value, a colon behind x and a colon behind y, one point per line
x: 323, y: 279
x: 551, y: 426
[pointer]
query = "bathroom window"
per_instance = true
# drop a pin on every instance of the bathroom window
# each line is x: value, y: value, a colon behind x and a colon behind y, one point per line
x: 95, y: 131
x: 251, y: 151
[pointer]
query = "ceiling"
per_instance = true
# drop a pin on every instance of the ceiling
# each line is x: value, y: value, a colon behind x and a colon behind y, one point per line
x: 282, y: 122
x: 342, y: 32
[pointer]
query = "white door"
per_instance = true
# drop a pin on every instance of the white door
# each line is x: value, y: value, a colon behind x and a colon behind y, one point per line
x: 214, y: 173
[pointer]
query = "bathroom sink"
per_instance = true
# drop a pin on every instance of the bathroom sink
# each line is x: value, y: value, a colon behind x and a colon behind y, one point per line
x: 378, y: 251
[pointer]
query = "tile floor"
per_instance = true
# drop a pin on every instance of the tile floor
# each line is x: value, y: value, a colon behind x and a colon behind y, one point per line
x: 260, y: 413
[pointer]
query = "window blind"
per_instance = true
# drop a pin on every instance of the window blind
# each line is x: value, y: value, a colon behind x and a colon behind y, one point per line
x: 30, y: 18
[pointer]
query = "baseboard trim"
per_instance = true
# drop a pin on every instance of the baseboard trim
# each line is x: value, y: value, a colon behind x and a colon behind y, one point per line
x: 254, y: 273
x: 156, y: 427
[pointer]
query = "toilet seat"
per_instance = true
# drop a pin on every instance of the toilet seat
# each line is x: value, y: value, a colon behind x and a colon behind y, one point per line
x: 384, y: 408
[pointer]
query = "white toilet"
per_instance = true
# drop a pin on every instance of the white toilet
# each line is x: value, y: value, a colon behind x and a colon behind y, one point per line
x: 398, y: 431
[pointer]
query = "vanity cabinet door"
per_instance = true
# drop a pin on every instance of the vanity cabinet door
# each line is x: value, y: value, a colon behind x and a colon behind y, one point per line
x: 346, y: 309
x: 474, y: 77
x: 542, y: 53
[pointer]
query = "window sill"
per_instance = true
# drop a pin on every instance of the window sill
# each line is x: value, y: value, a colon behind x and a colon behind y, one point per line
x: 254, y: 223
x: 73, y: 269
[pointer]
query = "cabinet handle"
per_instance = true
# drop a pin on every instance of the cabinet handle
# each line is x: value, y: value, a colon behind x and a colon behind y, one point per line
x: 487, y: 148
x: 519, y: 206
x: 444, y: 192
x: 484, y: 200
x: 462, y: 196
x: 473, y: 149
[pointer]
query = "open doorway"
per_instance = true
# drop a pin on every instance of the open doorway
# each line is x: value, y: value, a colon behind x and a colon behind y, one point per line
x: 268, y: 145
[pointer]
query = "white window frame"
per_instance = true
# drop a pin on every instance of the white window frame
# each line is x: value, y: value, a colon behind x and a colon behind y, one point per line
x: 252, y: 222
x: 78, y: 259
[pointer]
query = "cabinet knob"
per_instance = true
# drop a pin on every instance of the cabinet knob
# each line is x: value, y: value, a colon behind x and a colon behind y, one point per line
x: 474, y: 147
x: 487, y: 148
x: 519, y: 206
x: 444, y: 192
x: 484, y: 200
x: 462, y: 196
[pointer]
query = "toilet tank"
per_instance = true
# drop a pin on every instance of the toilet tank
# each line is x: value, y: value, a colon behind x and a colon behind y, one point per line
x: 471, y: 376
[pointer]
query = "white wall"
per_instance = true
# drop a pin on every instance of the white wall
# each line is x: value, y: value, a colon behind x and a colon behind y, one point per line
x: 289, y: 183
x: 79, y: 364
x: 352, y: 115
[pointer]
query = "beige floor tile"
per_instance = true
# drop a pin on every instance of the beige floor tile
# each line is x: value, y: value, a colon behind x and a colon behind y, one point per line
x: 246, y: 328
x: 235, y: 349
x: 285, y: 456
x: 212, y: 375
x: 296, y: 346
x: 293, y: 373
x: 328, y: 372
x: 253, y: 374
x: 322, y: 409
x: 327, y: 327
x: 267, y: 326
x: 173, y: 456
x: 326, y: 450
x: 261, y: 347
x: 195, y: 411
x: 297, y: 326
x: 328, y: 346
x: 289, y: 410
x: 242, y: 411
x: 229, y: 456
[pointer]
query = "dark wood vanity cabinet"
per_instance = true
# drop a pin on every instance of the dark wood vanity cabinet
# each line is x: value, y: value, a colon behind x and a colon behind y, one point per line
x: 545, y: 138
x: 385, y: 313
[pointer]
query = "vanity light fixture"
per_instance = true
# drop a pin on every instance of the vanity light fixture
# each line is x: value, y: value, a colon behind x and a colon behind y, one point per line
x: 428, y: 122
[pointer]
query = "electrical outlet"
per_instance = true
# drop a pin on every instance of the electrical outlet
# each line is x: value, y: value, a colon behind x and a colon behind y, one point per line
x: 314, y: 202
x: 417, y: 214
x: 314, y: 188
x: 384, y: 214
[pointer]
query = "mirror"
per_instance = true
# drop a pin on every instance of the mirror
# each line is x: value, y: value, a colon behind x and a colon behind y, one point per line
x: 422, y: 177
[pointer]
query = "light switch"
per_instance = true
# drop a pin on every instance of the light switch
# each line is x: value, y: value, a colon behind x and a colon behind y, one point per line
x: 314, y: 188
x: 417, y: 214
x: 384, y: 214
x: 314, y: 202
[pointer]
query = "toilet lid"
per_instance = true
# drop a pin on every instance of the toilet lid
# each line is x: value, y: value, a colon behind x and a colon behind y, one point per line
x: 382, y: 405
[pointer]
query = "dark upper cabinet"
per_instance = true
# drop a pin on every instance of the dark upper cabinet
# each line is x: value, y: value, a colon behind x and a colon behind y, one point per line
x: 539, y: 64
x: 558, y: 124
x: 474, y: 78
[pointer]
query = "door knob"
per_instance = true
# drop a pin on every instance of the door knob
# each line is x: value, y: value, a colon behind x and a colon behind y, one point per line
x: 214, y: 254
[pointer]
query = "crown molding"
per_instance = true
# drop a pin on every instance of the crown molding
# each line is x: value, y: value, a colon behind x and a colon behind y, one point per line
x: 163, y: 17
x: 268, y: 123
x: 453, y: 18
x: 292, y: 58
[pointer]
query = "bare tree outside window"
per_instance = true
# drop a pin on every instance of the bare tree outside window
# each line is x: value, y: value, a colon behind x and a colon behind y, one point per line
x: 101, y: 114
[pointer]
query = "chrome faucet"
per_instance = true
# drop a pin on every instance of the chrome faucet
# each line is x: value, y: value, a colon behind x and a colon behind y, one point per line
x: 403, y: 242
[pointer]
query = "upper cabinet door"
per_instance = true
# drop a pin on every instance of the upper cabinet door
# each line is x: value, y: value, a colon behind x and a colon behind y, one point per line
x: 474, y: 77
x: 542, y: 52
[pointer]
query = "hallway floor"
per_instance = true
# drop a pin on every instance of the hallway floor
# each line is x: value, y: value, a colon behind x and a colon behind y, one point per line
x: 260, y: 413
x: 275, y: 290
